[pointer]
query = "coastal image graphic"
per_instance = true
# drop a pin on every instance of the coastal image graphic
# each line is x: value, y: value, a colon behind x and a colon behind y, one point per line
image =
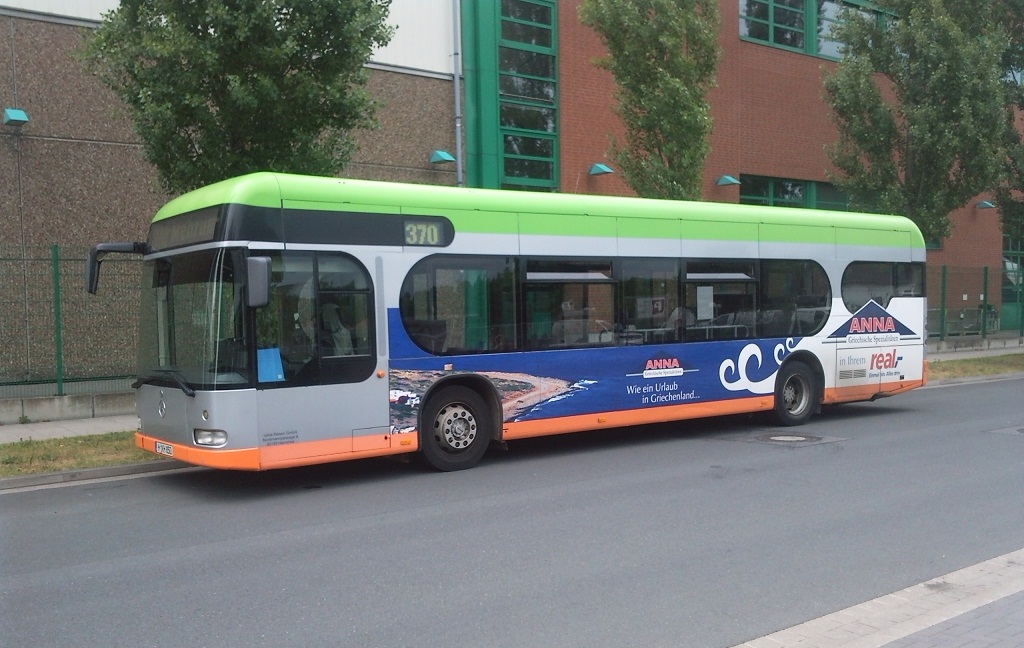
x: 519, y: 393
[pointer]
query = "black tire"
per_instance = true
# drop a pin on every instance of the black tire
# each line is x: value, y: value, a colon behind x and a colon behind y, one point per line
x: 455, y: 429
x: 796, y: 394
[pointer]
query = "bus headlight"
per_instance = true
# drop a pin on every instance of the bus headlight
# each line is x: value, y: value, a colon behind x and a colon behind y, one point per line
x: 210, y: 438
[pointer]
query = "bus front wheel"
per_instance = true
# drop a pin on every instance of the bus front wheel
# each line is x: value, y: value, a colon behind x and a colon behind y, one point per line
x: 795, y: 393
x: 455, y: 429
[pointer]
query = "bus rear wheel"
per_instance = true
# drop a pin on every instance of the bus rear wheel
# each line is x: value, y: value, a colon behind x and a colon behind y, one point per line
x: 795, y: 393
x: 455, y: 429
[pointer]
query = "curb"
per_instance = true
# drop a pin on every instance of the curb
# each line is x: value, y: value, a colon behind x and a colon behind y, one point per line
x: 47, y: 479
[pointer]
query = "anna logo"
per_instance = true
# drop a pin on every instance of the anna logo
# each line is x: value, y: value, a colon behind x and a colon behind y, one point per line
x: 662, y: 363
x: 664, y: 366
x: 872, y: 324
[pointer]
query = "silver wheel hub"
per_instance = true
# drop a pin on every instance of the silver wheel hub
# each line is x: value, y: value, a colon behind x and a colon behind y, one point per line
x: 794, y: 396
x: 455, y: 427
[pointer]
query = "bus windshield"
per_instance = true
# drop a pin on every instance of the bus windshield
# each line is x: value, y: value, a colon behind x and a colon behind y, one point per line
x: 194, y: 332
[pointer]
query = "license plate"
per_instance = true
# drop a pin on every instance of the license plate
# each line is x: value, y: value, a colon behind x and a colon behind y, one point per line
x: 165, y: 449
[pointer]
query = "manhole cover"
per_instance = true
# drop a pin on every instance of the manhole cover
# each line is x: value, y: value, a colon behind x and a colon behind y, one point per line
x: 792, y: 440
x: 787, y: 440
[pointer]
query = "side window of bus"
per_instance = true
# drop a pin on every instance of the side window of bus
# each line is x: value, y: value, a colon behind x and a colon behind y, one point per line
x: 796, y: 298
x: 345, y: 307
x: 320, y: 309
x: 721, y: 294
x: 461, y: 304
x: 285, y: 324
x: 866, y: 281
x: 568, y: 303
x: 910, y: 280
x: 651, y: 309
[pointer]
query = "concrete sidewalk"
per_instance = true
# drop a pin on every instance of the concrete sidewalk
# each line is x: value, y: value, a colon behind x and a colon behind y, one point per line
x: 69, y: 428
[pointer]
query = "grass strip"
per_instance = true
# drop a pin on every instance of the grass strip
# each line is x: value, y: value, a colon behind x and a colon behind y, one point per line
x: 32, y: 456
x: 975, y: 367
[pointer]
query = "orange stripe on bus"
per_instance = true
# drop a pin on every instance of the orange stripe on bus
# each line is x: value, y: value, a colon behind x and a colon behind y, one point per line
x: 901, y: 386
x: 577, y: 423
x: 329, y: 450
x: 866, y: 392
x: 244, y: 459
x: 282, y: 456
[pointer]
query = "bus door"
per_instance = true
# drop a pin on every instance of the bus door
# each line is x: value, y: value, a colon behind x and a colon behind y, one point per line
x: 318, y: 362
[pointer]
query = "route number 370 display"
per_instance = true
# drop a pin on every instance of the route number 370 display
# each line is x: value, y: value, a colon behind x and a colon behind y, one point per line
x: 424, y: 233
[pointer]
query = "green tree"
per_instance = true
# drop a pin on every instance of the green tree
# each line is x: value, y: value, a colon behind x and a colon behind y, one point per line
x: 1010, y: 193
x: 919, y: 106
x: 662, y: 55
x: 217, y: 88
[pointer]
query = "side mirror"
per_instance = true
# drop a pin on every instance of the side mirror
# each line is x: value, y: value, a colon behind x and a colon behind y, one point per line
x: 258, y: 271
x: 99, y: 252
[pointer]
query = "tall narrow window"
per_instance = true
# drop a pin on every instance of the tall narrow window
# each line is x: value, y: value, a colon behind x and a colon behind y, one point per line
x: 527, y: 94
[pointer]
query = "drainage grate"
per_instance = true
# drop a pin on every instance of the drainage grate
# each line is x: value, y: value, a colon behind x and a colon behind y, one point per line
x: 793, y: 440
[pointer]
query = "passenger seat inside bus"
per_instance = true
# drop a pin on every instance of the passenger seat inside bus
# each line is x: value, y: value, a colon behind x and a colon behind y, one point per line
x: 340, y: 341
x: 572, y: 329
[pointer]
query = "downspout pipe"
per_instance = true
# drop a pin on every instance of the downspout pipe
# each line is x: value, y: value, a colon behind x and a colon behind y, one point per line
x: 460, y: 174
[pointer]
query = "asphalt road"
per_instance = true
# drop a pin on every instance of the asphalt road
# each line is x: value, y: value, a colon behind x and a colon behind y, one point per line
x: 690, y: 534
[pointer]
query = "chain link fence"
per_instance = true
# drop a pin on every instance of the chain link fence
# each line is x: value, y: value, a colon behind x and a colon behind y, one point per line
x: 56, y: 338
x: 972, y: 301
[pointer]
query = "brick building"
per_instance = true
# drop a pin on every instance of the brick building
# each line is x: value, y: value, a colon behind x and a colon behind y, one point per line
x: 528, y: 111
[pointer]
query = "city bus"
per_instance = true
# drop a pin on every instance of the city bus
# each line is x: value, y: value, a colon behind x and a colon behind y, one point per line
x: 290, y: 320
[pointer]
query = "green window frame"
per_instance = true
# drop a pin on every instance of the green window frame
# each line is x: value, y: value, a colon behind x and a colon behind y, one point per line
x: 786, y: 192
x: 1012, y: 279
x: 527, y: 94
x: 798, y: 25
x: 511, y: 70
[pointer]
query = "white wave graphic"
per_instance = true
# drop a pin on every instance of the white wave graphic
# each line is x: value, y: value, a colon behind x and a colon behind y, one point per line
x: 733, y: 373
x: 575, y: 388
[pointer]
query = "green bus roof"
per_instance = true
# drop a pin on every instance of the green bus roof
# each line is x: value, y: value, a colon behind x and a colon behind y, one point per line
x: 501, y: 211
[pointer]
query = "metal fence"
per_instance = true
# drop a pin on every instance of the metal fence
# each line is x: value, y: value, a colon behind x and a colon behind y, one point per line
x: 56, y: 338
x: 972, y: 301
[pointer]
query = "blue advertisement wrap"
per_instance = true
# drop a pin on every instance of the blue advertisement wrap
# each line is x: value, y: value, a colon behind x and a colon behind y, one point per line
x: 557, y: 383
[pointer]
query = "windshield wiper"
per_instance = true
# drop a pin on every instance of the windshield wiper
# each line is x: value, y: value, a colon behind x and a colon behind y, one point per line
x: 173, y: 374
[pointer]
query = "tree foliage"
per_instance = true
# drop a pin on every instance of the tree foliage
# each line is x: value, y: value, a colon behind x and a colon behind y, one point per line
x: 1010, y: 193
x: 218, y: 88
x: 919, y: 105
x: 662, y: 55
